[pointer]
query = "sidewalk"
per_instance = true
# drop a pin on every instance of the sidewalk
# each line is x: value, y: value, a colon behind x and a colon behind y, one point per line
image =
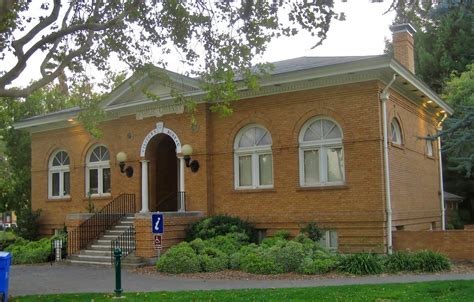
x: 68, y: 278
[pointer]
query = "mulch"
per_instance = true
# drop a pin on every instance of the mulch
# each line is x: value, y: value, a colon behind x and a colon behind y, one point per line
x: 458, y: 268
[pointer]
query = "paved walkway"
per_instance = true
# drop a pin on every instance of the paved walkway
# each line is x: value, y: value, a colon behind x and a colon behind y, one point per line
x: 68, y: 278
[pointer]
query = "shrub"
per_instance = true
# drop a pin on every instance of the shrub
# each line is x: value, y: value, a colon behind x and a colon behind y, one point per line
x: 290, y: 256
x: 313, y: 232
x: 361, y: 264
x: 229, y: 243
x: 7, y: 239
x: 318, y: 266
x: 28, y: 224
x: 220, y: 225
x: 213, y: 260
x: 198, y: 245
x: 179, y: 259
x: 236, y: 258
x: 429, y: 261
x: 260, y: 263
x: 25, y: 252
x: 400, y: 262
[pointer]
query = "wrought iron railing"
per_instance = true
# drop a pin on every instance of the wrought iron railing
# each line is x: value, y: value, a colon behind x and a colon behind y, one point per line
x: 182, y: 201
x: 95, y: 226
x: 126, y: 243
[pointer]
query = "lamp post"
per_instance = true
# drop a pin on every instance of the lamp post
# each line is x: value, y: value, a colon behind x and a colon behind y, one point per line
x: 121, y: 158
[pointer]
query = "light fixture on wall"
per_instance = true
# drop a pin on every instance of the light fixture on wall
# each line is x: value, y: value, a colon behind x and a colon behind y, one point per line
x: 121, y: 158
x: 187, y: 151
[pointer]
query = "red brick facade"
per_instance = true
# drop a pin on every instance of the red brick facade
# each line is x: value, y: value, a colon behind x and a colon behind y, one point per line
x: 356, y: 210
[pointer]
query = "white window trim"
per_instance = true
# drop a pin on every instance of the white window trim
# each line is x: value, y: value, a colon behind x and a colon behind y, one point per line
x: 254, y: 152
x: 322, y: 146
x: 61, y: 170
x: 100, y: 166
x: 398, y: 132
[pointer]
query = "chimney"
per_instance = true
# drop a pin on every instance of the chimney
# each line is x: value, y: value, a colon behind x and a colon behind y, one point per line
x: 402, y: 41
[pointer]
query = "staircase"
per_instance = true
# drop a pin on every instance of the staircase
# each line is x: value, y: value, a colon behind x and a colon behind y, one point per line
x: 100, y: 252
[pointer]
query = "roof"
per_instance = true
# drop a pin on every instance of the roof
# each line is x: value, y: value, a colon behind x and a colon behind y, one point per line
x: 452, y: 197
x: 287, y: 75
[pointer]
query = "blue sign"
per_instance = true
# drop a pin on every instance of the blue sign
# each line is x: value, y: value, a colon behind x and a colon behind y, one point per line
x: 157, y: 223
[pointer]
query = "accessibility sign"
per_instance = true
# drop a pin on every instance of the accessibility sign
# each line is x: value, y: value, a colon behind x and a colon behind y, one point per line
x: 158, y: 242
x: 157, y: 223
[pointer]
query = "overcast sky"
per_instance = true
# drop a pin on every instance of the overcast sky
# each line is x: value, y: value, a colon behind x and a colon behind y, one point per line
x: 362, y: 33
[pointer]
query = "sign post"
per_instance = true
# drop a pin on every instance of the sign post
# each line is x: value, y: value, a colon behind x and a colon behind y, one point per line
x: 157, y: 228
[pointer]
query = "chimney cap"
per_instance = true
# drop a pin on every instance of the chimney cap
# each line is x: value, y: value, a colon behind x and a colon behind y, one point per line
x: 405, y: 27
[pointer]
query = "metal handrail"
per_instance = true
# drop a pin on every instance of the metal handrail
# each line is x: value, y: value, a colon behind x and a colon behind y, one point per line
x: 126, y: 243
x: 95, y: 226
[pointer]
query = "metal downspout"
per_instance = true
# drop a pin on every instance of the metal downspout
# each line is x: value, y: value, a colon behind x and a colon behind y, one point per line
x: 441, y: 184
x: 388, y: 201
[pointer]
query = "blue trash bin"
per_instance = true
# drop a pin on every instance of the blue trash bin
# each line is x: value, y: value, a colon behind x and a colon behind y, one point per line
x: 5, y: 260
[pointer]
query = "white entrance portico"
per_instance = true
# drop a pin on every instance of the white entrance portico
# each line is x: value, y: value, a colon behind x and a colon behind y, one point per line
x: 160, y: 129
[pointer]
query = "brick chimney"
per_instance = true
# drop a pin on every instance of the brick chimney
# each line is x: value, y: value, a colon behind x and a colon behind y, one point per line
x: 402, y: 41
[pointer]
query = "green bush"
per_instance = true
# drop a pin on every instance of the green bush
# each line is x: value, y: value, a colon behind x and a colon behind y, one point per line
x: 7, y: 239
x: 28, y: 224
x: 290, y: 256
x: 220, y: 225
x: 317, y: 266
x: 236, y: 258
x: 213, y: 260
x: 429, y: 261
x: 229, y: 243
x: 361, y: 264
x: 26, y: 252
x: 400, y: 262
x: 179, y: 259
x: 260, y: 263
x: 313, y: 232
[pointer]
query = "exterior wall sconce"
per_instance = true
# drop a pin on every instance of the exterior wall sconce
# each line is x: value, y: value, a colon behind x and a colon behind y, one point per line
x: 121, y: 158
x: 187, y: 151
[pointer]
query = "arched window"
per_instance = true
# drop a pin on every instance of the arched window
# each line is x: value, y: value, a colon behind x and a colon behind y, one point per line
x: 98, y: 171
x: 396, y: 132
x: 321, y: 153
x: 59, y: 175
x: 253, y: 163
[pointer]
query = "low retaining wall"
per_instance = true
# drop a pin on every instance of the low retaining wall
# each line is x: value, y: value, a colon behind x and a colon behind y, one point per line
x: 456, y: 244
x: 175, y: 224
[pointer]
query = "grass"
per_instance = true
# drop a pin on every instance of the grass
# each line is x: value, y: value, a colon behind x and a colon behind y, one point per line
x: 426, y: 291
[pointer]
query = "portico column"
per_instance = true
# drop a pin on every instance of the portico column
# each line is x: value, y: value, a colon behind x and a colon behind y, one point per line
x: 182, y: 193
x: 144, y: 186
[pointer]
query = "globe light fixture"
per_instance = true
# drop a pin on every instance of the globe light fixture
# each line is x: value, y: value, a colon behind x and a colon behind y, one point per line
x: 122, y: 158
x: 187, y: 151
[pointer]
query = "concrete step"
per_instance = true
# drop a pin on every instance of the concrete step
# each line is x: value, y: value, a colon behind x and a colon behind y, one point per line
x: 90, y: 262
x: 100, y: 246
x: 104, y: 253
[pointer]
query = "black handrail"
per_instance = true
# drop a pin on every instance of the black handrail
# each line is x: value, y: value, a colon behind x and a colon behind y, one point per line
x: 95, y: 226
x: 126, y: 243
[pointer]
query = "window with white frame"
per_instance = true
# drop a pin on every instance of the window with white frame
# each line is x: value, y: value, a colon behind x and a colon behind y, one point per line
x: 429, y: 147
x: 98, y: 172
x: 329, y: 240
x: 253, y: 163
x: 321, y: 153
x: 59, y: 175
x: 396, y: 132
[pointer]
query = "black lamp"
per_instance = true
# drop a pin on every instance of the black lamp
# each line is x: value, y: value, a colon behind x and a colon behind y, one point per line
x: 187, y: 151
x: 121, y: 158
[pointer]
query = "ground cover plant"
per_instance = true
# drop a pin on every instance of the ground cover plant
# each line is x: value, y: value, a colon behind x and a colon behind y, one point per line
x: 425, y: 291
x: 230, y: 248
x: 26, y: 252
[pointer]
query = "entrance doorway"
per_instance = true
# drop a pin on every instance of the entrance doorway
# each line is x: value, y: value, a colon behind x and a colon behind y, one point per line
x: 164, y: 174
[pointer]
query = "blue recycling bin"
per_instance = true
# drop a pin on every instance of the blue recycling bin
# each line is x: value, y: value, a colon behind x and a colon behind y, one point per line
x: 5, y: 261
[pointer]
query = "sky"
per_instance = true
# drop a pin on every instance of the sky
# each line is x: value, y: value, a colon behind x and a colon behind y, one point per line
x: 362, y: 33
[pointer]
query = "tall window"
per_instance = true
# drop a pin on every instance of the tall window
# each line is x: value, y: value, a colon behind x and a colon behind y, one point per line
x: 98, y: 172
x: 429, y: 147
x: 321, y: 153
x: 253, y: 163
x: 396, y: 132
x: 58, y: 176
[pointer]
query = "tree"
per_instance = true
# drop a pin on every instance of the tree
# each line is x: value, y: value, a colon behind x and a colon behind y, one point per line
x: 217, y: 38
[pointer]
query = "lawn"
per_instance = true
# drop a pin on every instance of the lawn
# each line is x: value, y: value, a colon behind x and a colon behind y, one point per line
x: 427, y: 291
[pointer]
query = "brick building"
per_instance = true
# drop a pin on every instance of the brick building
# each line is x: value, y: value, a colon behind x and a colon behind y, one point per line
x: 334, y: 140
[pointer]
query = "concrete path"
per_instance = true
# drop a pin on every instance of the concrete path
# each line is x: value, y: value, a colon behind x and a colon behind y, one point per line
x: 69, y: 278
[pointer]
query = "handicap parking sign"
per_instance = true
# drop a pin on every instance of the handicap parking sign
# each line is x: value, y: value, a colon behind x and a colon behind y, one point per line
x: 157, y: 223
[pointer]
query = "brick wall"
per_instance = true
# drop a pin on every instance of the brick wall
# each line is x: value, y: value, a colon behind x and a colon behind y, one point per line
x: 456, y: 244
x: 414, y: 175
x: 355, y: 210
x: 175, y: 225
